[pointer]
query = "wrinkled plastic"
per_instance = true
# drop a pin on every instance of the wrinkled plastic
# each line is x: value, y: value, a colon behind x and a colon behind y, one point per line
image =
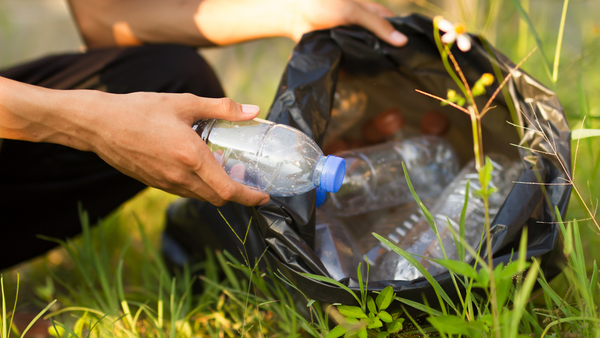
x: 335, y: 248
x: 304, y: 101
x: 375, y: 178
x: 270, y: 157
x: 421, y: 240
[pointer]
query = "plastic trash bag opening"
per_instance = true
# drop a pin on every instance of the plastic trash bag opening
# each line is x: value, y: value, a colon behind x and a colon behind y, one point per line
x: 326, y: 61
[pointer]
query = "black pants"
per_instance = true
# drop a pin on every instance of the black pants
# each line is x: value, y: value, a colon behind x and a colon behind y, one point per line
x: 41, y: 184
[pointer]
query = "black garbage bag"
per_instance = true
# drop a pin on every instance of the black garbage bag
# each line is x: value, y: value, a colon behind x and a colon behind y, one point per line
x: 285, y: 227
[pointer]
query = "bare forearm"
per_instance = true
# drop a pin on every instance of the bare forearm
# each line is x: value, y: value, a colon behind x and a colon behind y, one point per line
x: 147, y: 136
x: 106, y: 23
x: 36, y: 114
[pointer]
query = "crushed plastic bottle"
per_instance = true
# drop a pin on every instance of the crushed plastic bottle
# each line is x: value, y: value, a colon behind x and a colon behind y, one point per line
x: 335, y: 248
x: 421, y: 240
x: 375, y: 179
x: 393, y: 225
x: 269, y: 157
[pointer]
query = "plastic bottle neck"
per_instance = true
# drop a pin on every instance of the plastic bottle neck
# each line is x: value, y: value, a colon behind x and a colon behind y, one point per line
x: 203, y: 128
x: 319, y: 171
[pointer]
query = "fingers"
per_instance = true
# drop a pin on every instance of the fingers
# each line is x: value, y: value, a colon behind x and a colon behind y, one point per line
x: 376, y: 8
x: 224, y: 187
x: 224, y: 108
x: 371, y: 16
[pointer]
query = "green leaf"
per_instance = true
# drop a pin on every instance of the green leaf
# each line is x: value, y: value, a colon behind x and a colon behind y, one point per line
x: 382, y: 334
x: 396, y: 325
x: 384, y: 299
x: 512, y: 269
x: 439, y: 291
x: 485, y: 176
x: 310, y: 303
x: 460, y: 246
x: 426, y: 212
x: 375, y: 323
x: 352, y: 321
x: 419, y: 306
x: 502, y: 290
x: 351, y: 311
x: 363, y: 293
x: 584, y: 133
x: 336, y: 332
x: 362, y: 332
x: 483, y: 280
x: 457, y: 267
x: 371, y: 305
x: 457, y: 325
x: 386, y: 317
x: 334, y: 282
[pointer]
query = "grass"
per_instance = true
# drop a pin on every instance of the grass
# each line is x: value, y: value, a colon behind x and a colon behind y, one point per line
x: 120, y: 287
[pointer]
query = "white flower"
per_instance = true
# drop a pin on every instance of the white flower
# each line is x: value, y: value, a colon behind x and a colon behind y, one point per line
x: 454, y: 32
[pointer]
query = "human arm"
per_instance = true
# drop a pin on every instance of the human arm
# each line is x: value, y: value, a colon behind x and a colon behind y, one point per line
x: 147, y: 136
x: 105, y: 23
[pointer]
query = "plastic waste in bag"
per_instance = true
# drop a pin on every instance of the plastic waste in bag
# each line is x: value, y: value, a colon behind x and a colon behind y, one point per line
x: 421, y: 240
x: 274, y: 158
x: 349, y: 106
x: 389, y: 75
x: 394, y: 226
x: 335, y: 248
x: 375, y: 179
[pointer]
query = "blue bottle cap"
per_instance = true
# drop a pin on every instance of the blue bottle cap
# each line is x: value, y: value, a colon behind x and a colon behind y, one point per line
x: 333, y: 174
x: 321, y: 197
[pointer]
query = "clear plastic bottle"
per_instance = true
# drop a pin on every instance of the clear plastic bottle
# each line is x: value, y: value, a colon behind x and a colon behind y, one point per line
x: 375, y: 179
x: 274, y: 158
x: 421, y: 240
x: 335, y: 248
x: 393, y: 225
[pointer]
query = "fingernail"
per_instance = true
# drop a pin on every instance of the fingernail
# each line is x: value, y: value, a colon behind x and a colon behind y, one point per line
x: 398, y: 38
x: 250, y: 109
x: 264, y: 201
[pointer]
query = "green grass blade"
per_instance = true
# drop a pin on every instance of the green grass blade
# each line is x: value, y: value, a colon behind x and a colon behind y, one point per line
x: 419, y: 306
x: 231, y: 277
x: 521, y: 299
x: 334, y: 282
x: 3, y: 332
x: 461, y: 248
x: 172, y: 308
x: 561, y: 30
x: 36, y: 318
x: 424, y: 209
x: 535, y: 34
x: 578, y: 134
x: 12, y: 316
x: 439, y: 291
x: 415, y: 323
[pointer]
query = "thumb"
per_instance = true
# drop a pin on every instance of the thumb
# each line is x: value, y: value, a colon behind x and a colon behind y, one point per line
x: 225, y: 109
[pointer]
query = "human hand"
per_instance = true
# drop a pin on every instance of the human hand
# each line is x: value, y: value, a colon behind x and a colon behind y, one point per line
x: 148, y: 136
x: 323, y: 14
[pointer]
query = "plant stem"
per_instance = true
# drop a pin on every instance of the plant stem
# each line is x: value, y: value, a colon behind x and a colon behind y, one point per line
x: 488, y: 242
x: 561, y: 30
x: 477, y: 139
